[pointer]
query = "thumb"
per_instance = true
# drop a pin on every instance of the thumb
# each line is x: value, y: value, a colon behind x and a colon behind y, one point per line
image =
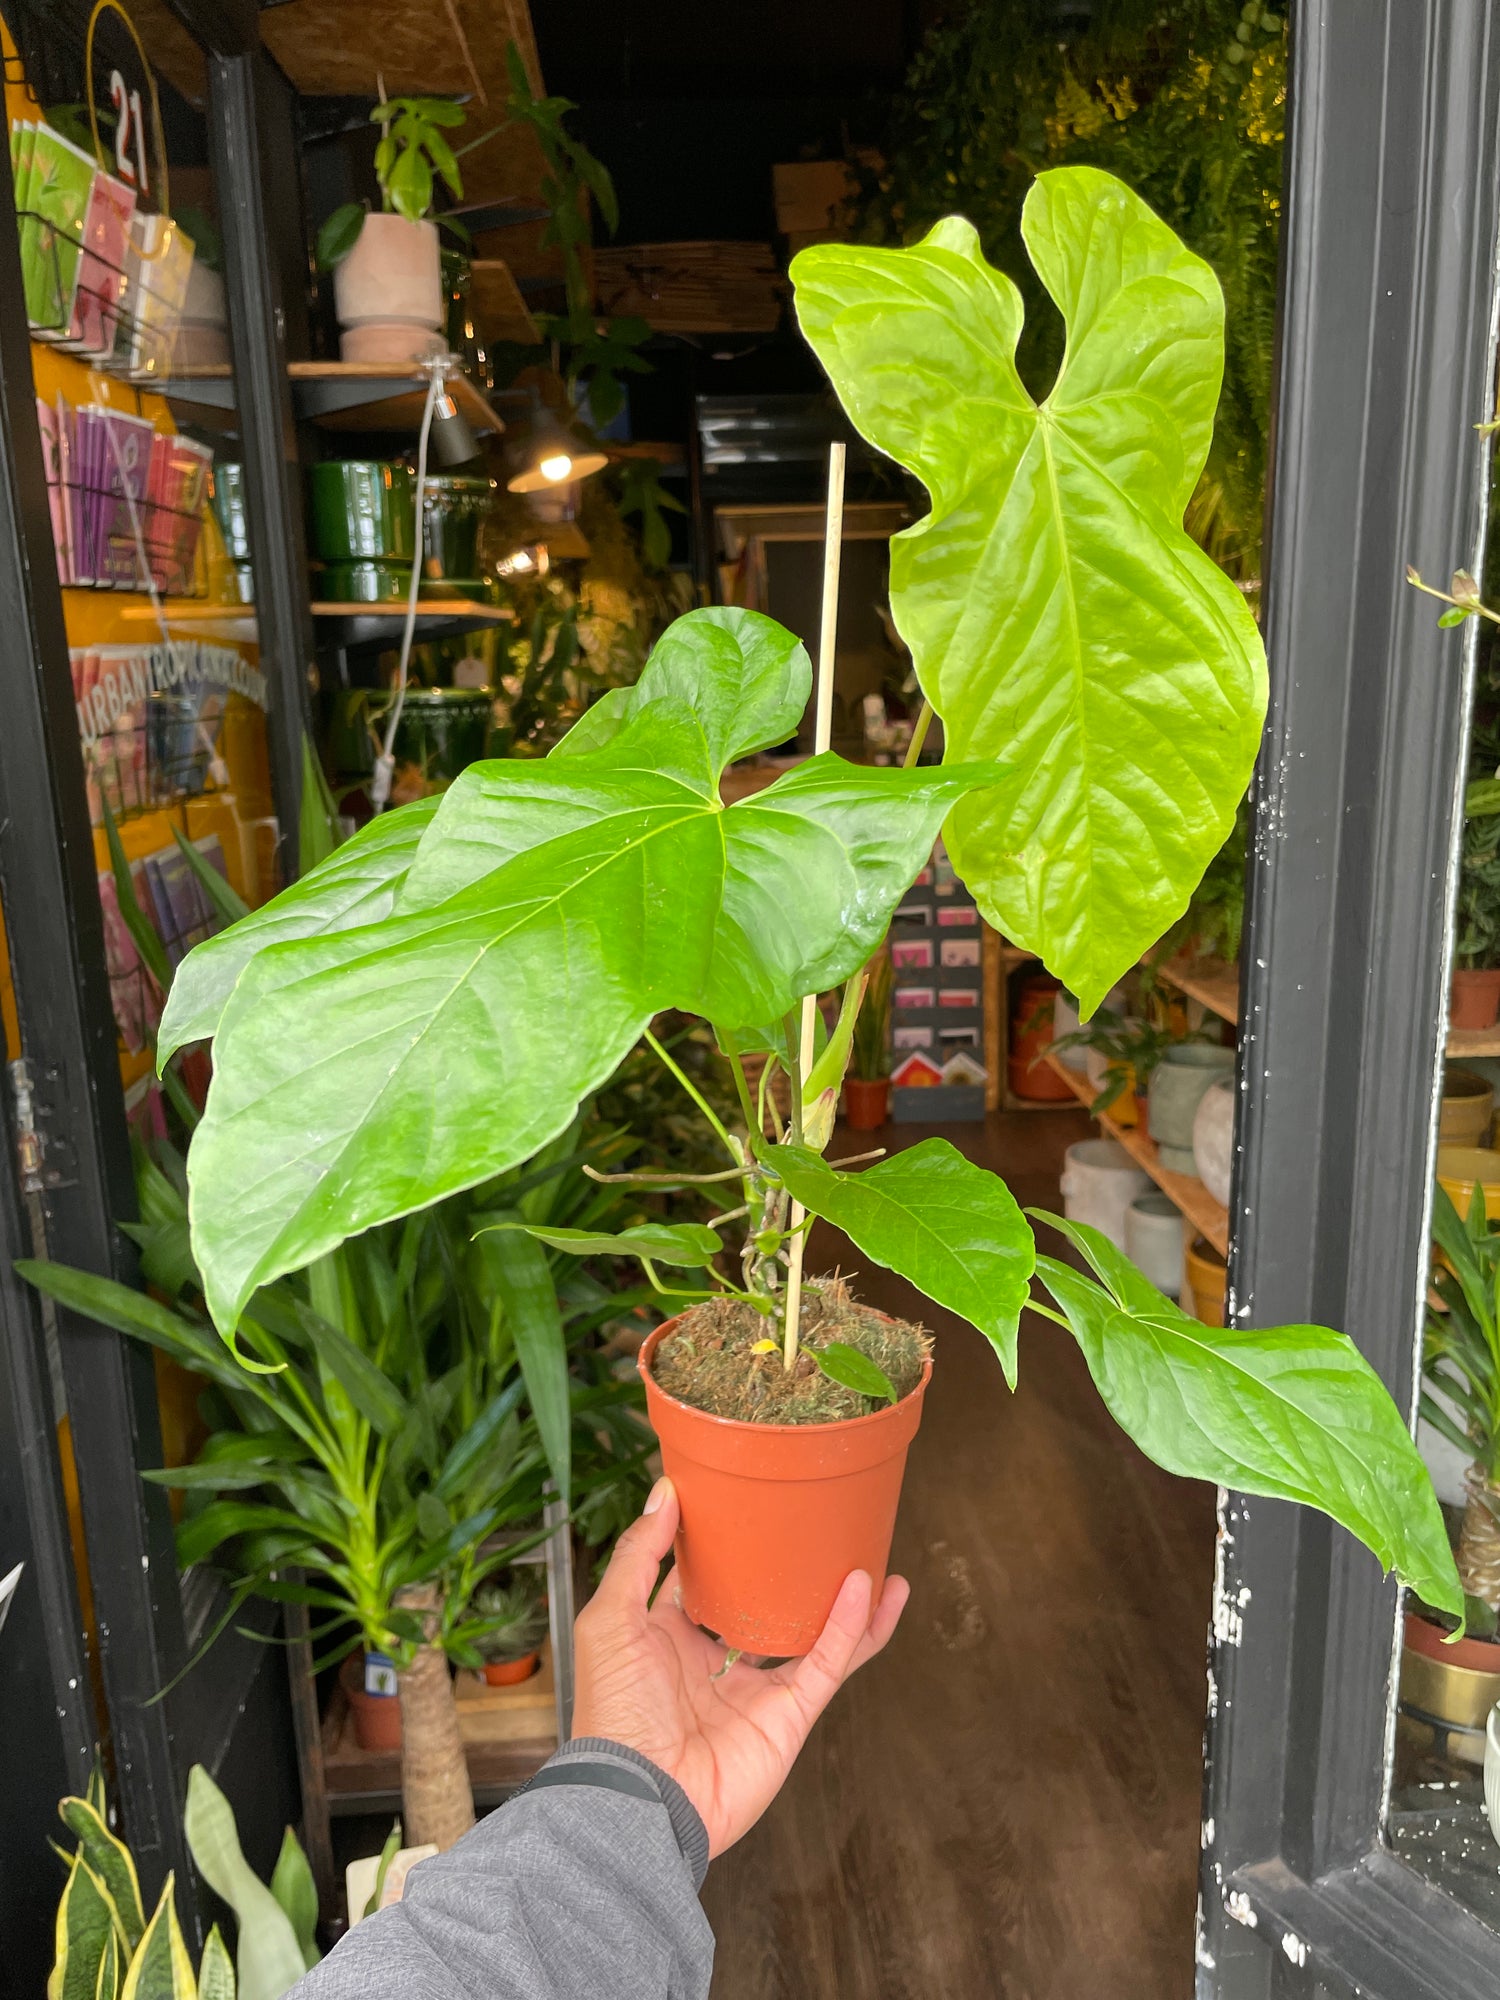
x: 629, y: 1580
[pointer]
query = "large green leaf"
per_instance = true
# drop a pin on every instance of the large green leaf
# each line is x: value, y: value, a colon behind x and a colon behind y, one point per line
x: 1058, y: 615
x: 553, y: 908
x: 356, y: 885
x: 295, y: 1890
x: 689, y: 1243
x: 215, y: 1969
x: 951, y: 1228
x: 111, y: 1861
x: 268, y: 1958
x: 1293, y: 1412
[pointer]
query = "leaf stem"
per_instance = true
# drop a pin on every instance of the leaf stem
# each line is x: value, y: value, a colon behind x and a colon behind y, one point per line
x: 918, y: 737
x: 664, y: 1180
x: 742, y: 1088
x: 1035, y: 1305
x: 698, y: 1098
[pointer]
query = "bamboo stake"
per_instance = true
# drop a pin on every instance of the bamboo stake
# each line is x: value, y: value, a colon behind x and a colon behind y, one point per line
x: 833, y: 548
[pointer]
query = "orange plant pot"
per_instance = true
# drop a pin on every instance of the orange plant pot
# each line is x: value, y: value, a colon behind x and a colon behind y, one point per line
x: 867, y: 1102
x: 377, y: 1717
x: 507, y: 1673
x: 1029, y: 1037
x: 1475, y: 1001
x: 774, y: 1516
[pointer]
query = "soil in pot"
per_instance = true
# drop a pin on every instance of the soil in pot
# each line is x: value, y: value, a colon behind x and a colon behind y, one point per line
x: 778, y: 1510
x: 709, y: 1362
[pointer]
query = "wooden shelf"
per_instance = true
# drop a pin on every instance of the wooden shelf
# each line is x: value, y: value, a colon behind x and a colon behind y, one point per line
x: 360, y: 1781
x: 190, y: 611
x: 1473, y: 1042
x: 366, y: 625
x: 1186, y: 1190
x: 1209, y: 980
x: 339, y: 395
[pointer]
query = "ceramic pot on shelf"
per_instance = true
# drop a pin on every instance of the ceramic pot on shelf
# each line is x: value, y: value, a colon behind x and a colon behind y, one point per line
x: 1458, y: 1170
x: 362, y: 510
x: 1032, y: 1029
x: 867, y: 1102
x: 1213, y: 1138
x: 1455, y: 1681
x: 1468, y: 1108
x: 1177, y: 1086
x: 1065, y: 1022
x: 1154, y: 1240
x: 1099, y: 1182
x: 388, y: 292
x: 1207, y: 1282
x: 774, y: 1516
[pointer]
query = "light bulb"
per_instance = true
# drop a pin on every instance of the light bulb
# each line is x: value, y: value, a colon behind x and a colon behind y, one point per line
x: 556, y: 467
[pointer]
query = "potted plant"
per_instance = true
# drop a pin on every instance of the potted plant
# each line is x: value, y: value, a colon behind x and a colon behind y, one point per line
x: 503, y: 952
x: 387, y: 266
x: 1476, y: 949
x: 107, y: 1944
x: 1461, y: 1400
x: 514, y: 1616
x: 1129, y: 1052
x: 867, y: 1087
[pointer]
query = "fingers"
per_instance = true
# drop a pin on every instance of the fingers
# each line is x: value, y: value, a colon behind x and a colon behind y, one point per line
x: 888, y: 1612
x: 628, y: 1581
x: 817, y: 1678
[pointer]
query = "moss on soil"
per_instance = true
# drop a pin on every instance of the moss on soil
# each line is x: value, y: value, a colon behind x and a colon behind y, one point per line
x: 708, y: 1361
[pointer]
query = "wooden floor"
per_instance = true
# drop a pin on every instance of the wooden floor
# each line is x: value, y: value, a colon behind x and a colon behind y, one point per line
x: 1006, y: 1803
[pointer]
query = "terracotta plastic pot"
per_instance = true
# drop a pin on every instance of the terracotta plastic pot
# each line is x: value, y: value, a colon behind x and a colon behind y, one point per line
x: 1468, y: 1108
x: 774, y: 1516
x: 1207, y: 1280
x: 1029, y: 1036
x: 867, y: 1102
x: 377, y: 1717
x: 1475, y: 1001
x: 507, y: 1673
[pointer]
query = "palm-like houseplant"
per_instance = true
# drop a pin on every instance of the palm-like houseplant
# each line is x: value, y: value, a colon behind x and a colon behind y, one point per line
x: 1101, y: 686
x: 1461, y: 1362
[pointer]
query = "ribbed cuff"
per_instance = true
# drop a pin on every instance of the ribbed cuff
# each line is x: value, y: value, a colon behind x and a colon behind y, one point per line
x: 687, y: 1826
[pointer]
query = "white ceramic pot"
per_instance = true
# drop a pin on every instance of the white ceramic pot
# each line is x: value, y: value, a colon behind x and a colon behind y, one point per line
x: 1154, y: 1242
x: 1492, y: 1770
x: 1213, y: 1138
x: 388, y: 291
x: 1177, y: 1086
x: 1099, y: 1182
x: 1064, y: 1021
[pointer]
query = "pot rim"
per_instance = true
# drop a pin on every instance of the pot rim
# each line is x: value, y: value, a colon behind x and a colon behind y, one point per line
x: 841, y: 1425
x: 1472, y: 1656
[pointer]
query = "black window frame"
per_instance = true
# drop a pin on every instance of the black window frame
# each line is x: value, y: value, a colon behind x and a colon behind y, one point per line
x: 1387, y: 361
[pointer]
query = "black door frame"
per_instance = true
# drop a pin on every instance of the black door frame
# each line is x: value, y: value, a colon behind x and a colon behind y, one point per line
x: 1387, y: 363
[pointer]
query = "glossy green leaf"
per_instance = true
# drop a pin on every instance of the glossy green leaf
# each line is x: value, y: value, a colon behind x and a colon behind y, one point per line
x: 1292, y: 1412
x: 268, y: 1958
x: 356, y: 885
x: 295, y: 1890
x: 852, y: 1370
x: 339, y: 234
x: 1058, y: 615
x: 161, y: 1968
x: 686, y: 1243
x: 215, y: 1969
x: 86, y: 1925
x: 951, y: 1228
x: 388, y: 1854
x: 523, y: 1280
x: 111, y: 1861
x: 553, y: 908
x: 369, y: 1389
x: 128, y: 1311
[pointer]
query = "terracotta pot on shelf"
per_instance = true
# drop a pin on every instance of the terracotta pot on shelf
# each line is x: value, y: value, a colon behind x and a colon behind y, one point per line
x: 867, y: 1102
x: 1207, y: 1280
x: 1029, y: 1036
x: 1468, y: 1108
x: 774, y: 1516
x: 377, y: 1717
x: 1475, y: 1000
x: 388, y: 292
x: 508, y: 1673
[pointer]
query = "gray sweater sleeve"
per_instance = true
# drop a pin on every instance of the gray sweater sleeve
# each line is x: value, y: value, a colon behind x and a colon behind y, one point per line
x: 568, y: 1892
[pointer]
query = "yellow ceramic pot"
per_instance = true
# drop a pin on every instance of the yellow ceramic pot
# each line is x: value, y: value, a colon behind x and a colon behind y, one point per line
x: 1460, y: 1167
x: 1207, y: 1279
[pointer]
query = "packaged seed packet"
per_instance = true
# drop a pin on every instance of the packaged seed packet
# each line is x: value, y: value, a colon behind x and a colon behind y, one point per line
x: 49, y: 421
x: 101, y: 269
x: 159, y: 264
x: 58, y: 190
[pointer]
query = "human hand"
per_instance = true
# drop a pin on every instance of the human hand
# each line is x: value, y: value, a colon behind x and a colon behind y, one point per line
x: 650, y: 1678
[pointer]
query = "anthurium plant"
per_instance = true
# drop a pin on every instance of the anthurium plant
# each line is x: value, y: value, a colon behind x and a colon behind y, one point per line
x: 430, y: 1005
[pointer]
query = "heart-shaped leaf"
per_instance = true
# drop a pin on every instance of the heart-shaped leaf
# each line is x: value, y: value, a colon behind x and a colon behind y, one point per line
x: 950, y: 1227
x: 356, y: 885
x: 1058, y: 615
x: 1294, y: 1412
x: 687, y: 1243
x: 552, y: 909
